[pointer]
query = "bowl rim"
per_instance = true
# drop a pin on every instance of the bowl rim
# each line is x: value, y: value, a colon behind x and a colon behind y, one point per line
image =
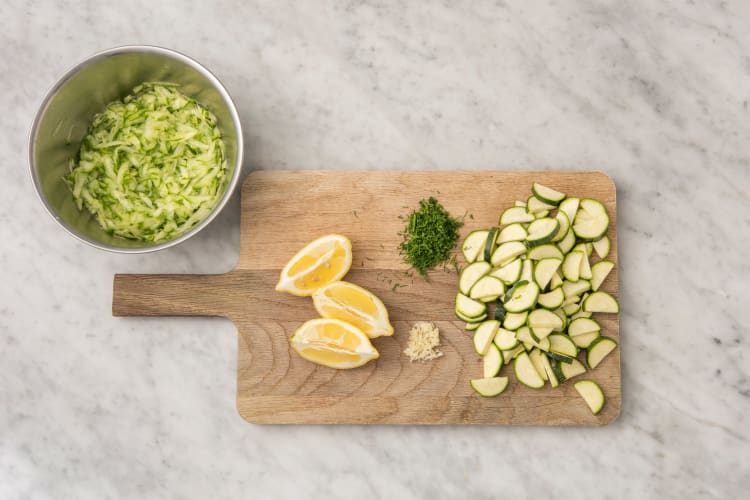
x: 126, y: 49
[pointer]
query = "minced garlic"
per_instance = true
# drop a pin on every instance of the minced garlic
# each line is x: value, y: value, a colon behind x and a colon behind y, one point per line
x: 424, y: 338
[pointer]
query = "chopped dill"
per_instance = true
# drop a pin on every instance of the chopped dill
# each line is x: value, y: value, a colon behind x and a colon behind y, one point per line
x: 429, y: 236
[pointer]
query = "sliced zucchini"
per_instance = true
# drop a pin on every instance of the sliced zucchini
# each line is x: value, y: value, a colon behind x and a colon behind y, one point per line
x: 598, y: 350
x: 560, y: 357
x: 489, y: 387
x: 599, y: 272
x: 489, y: 245
x: 540, y: 332
x: 601, y: 247
x: 557, y: 369
x: 571, y: 266
x: 512, y: 354
x: 549, y: 373
x: 473, y: 326
x: 571, y: 309
x: 547, y: 195
x: 569, y: 207
x: 513, y: 232
x: 505, y: 339
x: 516, y: 214
x: 591, y: 220
x: 492, y: 362
x: 474, y: 319
x: 575, y: 288
x: 541, y: 215
x: 534, y: 205
x: 547, y: 251
x: 561, y: 314
x: 584, y: 341
x: 573, y: 369
x: 542, y: 318
x: 499, y: 310
x: 487, y: 289
x: 562, y: 219
x: 506, y: 252
x: 509, y: 273
x: 473, y: 244
x: 514, y: 321
x: 584, y: 247
x: 519, y: 203
x: 561, y: 344
x: 468, y: 307
x: 601, y: 302
x: 568, y: 242
x: 471, y: 274
x: 581, y: 326
x: 581, y: 314
x: 537, y: 359
x: 522, y: 298
x: 556, y: 281
x: 551, y: 300
x: 484, y: 334
x: 525, y: 335
x: 585, y: 269
x: 542, y: 231
x: 591, y: 393
x: 526, y: 373
x: 544, y: 270
x: 527, y: 271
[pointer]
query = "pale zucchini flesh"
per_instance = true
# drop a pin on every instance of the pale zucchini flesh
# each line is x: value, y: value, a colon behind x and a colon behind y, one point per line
x: 490, y: 387
x: 592, y: 394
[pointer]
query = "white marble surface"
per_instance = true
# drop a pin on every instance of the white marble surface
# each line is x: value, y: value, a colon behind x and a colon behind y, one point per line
x: 655, y: 93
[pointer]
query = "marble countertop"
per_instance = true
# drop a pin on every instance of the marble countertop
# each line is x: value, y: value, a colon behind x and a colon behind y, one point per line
x: 655, y: 94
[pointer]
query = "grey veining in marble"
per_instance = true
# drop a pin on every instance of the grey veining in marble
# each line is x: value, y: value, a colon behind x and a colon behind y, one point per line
x: 655, y: 93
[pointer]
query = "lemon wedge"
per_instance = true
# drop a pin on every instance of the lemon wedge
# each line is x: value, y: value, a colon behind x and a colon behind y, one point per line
x: 333, y: 343
x: 353, y: 304
x: 321, y: 262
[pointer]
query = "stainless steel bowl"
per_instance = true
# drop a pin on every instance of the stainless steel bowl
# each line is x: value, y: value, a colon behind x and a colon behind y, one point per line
x: 84, y: 91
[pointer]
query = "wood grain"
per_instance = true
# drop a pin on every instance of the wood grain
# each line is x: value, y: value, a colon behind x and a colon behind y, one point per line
x: 281, y: 212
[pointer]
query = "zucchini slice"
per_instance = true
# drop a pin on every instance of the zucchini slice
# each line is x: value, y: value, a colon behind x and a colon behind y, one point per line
x: 542, y: 214
x: 471, y: 274
x: 544, y: 270
x: 591, y: 220
x: 556, y: 281
x: 598, y: 350
x: 581, y: 326
x: 591, y: 393
x: 537, y: 358
x: 575, y: 288
x: 512, y: 354
x: 522, y: 298
x: 568, y: 242
x: 569, y: 207
x: 561, y: 344
x: 489, y: 245
x: 506, y: 252
x: 489, y: 387
x: 471, y: 326
x: 601, y: 247
x: 542, y: 318
x: 549, y: 374
x: 585, y: 270
x: 571, y: 267
x: 473, y: 244
x: 534, y: 205
x: 547, y: 251
x: 571, y: 309
x: 514, y: 321
x: 526, y: 373
x: 499, y: 310
x: 562, y: 219
x: 581, y: 314
x: 487, y: 289
x: 472, y: 319
x: 584, y: 341
x: 469, y: 307
x: 600, y: 302
x: 573, y: 369
x: 525, y: 335
x: 516, y: 214
x: 542, y: 231
x: 547, y: 195
x: 492, y: 362
x: 527, y: 271
x: 509, y: 273
x: 505, y: 339
x: 551, y: 300
x: 599, y: 273
x: 513, y: 232
x: 519, y: 203
x: 484, y: 334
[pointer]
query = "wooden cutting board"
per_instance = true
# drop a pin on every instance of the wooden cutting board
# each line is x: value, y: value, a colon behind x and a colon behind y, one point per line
x: 281, y: 212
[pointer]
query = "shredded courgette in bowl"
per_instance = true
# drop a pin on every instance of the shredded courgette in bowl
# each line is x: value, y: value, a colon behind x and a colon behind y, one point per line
x: 150, y: 166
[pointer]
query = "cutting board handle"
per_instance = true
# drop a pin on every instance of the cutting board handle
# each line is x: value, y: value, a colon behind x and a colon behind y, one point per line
x: 170, y: 294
